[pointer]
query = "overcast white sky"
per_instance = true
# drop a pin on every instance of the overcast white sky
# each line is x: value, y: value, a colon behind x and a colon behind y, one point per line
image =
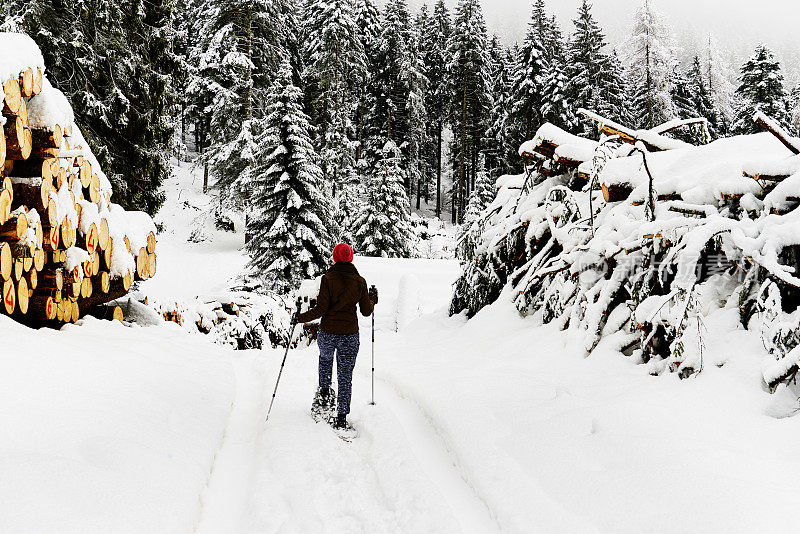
x: 739, y: 24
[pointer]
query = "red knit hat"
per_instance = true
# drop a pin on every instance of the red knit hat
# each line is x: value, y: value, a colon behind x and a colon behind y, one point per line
x: 343, y: 252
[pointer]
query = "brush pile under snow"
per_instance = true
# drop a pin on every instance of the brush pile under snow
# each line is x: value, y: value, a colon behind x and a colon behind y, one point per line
x: 639, y: 258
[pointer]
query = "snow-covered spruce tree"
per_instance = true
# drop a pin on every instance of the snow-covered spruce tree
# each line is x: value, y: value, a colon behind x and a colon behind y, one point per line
x: 113, y: 61
x: 588, y: 67
x: 480, y: 198
x: 367, y: 19
x: 291, y: 216
x: 795, y: 106
x: 388, y: 118
x: 700, y: 105
x: 335, y: 66
x: 556, y: 108
x: 414, y: 75
x: 468, y: 87
x: 613, y: 95
x: 650, y: 58
x: 383, y: 228
x: 247, y: 43
x: 719, y: 81
x: 433, y: 43
x: 761, y: 88
x: 201, y: 86
x: 527, y: 85
x: 427, y: 149
x: 501, y: 156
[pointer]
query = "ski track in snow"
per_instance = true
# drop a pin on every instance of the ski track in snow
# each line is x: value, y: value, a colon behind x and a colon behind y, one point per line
x: 225, y: 495
x: 293, y: 475
x: 440, y: 461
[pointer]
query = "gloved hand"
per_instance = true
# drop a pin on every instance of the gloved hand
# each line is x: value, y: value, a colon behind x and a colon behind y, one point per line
x: 295, y: 318
x: 373, y: 294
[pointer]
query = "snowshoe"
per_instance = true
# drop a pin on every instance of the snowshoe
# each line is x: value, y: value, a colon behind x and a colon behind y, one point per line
x: 324, y: 405
x: 342, y: 428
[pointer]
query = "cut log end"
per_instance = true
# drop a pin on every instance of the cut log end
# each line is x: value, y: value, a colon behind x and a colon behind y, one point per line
x: 13, y: 97
x: 26, y: 81
x: 9, y: 297
x: 23, y: 296
x: 6, y: 261
x: 15, y: 227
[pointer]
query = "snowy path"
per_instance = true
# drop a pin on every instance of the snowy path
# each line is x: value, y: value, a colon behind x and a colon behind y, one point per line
x: 398, y: 476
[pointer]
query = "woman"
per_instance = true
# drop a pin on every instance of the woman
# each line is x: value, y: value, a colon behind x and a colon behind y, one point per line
x: 340, y: 291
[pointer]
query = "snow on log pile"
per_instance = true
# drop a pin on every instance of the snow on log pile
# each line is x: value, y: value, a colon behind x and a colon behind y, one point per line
x: 634, y: 246
x: 65, y: 247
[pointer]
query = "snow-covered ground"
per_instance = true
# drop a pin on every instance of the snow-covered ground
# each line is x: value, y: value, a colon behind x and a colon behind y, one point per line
x: 482, y: 426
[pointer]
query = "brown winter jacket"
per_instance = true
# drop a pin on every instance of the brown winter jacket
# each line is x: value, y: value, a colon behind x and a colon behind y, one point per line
x: 341, y: 289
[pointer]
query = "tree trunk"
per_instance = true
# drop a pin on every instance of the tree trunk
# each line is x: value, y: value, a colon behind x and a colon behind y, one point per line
x: 439, y: 171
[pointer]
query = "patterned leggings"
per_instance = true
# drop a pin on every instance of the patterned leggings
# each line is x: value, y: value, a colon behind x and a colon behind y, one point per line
x: 346, y: 348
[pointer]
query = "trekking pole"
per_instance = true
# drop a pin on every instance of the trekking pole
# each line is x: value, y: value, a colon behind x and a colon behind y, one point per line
x: 285, y: 354
x: 373, y: 292
x: 373, y: 358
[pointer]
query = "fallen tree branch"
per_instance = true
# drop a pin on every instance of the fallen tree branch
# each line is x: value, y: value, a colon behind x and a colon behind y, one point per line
x: 775, y: 129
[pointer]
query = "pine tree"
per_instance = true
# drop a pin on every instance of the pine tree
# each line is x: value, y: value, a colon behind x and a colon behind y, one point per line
x: 587, y: 66
x: 388, y: 118
x: 114, y: 63
x: 335, y: 67
x: 527, y: 87
x: 469, y: 93
x: 204, y: 59
x: 719, y: 81
x: 795, y: 100
x: 761, y: 89
x: 702, y: 101
x: 651, y: 63
x: 481, y: 197
x: 434, y: 41
x: 383, y: 228
x: 417, y: 115
x: 500, y: 155
x: 422, y: 24
x: 245, y: 45
x: 367, y: 19
x: 555, y: 107
x: 291, y: 217
x: 692, y: 100
x: 613, y: 95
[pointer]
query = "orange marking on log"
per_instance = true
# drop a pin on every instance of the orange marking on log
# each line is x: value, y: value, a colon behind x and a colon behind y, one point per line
x: 10, y: 296
x: 76, y: 273
x: 91, y: 241
x: 54, y: 237
x: 49, y: 309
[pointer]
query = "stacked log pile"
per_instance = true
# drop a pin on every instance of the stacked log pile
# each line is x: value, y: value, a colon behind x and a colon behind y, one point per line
x: 65, y: 248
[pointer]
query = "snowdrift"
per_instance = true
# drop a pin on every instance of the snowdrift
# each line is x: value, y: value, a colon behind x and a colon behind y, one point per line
x: 637, y: 241
x: 65, y: 247
x: 98, y: 440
